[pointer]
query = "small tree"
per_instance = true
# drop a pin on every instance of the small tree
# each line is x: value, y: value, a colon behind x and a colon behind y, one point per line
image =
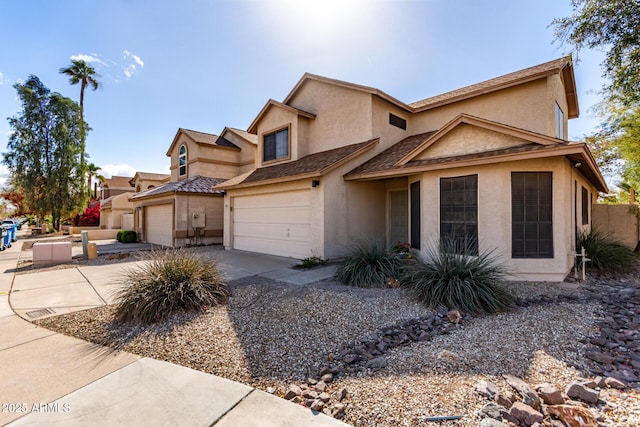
x: 44, y: 151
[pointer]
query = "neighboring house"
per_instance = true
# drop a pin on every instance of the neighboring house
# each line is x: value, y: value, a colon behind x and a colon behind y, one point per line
x: 145, y: 180
x: 488, y: 165
x: 185, y: 209
x: 116, y: 211
x: 114, y: 186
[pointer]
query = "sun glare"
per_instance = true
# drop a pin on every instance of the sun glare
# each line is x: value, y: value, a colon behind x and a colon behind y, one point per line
x: 314, y: 22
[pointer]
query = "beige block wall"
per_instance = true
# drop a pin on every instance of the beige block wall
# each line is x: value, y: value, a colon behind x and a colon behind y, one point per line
x: 525, y: 106
x: 621, y: 222
x: 494, y: 214
x: 343, y: 115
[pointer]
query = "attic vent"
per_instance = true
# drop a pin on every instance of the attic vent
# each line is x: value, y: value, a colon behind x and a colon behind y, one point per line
x: 398, y: 122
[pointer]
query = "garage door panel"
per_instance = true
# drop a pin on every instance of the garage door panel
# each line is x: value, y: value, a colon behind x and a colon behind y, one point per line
x: 273, y: 215
x: 159, y: 224
x: 290, y: 198
x: 269, y: 246
x: 277, y: 224
x: 275, y: 231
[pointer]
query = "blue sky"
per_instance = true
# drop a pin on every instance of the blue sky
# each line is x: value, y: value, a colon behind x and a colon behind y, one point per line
x: 207, y: 64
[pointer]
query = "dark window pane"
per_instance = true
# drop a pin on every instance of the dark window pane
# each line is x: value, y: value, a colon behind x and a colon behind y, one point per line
x: 531, y: 214
x: 459, y: 214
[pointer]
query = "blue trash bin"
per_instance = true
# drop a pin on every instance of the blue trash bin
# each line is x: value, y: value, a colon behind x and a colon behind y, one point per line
x: 14, y: 230
x: 6, y: 236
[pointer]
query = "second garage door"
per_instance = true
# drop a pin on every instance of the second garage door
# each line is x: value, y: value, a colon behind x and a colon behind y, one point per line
x: 159, y: 224
x: 276, y: 224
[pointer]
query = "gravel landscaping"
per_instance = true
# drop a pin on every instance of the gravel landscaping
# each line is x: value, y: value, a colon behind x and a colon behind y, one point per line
x: 272, y: 335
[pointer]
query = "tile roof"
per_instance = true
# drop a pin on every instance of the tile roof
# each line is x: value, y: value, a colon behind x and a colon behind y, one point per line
x: 200, y: 137
x: 490, y: 85
x: 314, y: 164
x: 251, y: 137
x: 117, y: 182
x: 194, y: 185
x: 390, y: 156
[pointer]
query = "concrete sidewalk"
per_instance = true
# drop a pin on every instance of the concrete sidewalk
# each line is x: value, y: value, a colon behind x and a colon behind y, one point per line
x: 52, y: 379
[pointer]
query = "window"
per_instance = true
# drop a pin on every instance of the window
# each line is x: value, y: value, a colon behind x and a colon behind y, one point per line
x: 182, y: 161
x: 398, y: 122
x: 559, y: 122
x: 531, y: 215
x: 276, y: 145
x: 459, y: 213
x: 585, y: 206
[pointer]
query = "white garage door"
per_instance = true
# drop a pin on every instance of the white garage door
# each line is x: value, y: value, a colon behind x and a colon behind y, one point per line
x: 276, y: 224
x: 159, y: 224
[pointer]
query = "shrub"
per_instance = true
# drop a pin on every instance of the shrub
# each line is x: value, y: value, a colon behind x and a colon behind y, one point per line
x: 468, y: 283
x: 605, y: 253
x: 310, y: 262
x: 370, y: 264
x: 127, y: 236
x: 170, y: 281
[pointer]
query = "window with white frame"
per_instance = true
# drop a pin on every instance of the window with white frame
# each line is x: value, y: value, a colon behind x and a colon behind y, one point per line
x: 559, y: 122
x: 182, y: 161
x: 276, y: 145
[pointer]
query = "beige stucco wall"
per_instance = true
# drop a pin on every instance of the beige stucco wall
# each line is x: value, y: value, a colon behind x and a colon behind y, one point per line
x: 145, y: 184
x: 494, y: 214
x: 211, y: 161
x: 277, y: 118
x: 555, y: 93
x: 343, y: 115
x: 468, y: 139
x: 186, y: 206
x: 525, y: 106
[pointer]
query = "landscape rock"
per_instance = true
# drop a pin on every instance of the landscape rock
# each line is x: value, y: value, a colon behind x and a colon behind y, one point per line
x: 614, y: 383
x: 486, y: 389
x: 327, y: 378
x: 529, y: 396
x: 580, y: 391
x: 490, y: 422
x: 491, y: 410
x: 525, y: 414
x: 574, y: 416
x: 550, y: 394
x: 505, y: 399
x: 377, y: 363
x: 292, y: 392
x: 317, y: 405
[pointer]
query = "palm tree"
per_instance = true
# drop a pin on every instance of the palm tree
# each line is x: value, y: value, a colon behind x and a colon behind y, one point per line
x: 92, y: 171
x: 81, y: 72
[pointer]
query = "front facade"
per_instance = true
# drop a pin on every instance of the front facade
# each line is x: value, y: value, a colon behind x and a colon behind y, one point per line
x: 487, y: 166
x: 183, y: 208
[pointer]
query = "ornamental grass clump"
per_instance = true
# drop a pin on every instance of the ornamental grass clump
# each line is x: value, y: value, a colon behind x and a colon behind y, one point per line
x: 468, y: 283
x: 170, y: 281
x: 605, y: 253
x: 369, y: 265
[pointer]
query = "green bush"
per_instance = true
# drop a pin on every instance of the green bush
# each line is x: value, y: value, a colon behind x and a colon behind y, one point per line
x: 605, y: 253
x: 471, y: 284
x: 310, y: 262
x: 170, y: 281
x: 126, y: 236
x: 370, y: 264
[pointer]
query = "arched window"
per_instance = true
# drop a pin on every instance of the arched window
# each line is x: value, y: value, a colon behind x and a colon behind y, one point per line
x: 182, y: 161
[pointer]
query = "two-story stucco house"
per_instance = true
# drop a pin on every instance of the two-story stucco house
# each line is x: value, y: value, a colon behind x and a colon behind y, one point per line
x: 488, y: 165
x: 184, y: 208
